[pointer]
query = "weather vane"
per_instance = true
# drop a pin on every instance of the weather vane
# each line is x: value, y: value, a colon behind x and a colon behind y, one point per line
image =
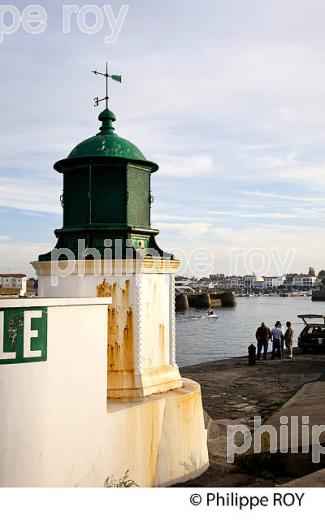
x: 107, y: 76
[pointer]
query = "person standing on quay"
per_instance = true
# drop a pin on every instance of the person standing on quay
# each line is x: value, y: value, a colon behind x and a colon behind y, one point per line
x: 263, y: 335
x: 288, y: 338
x: 277, y: 338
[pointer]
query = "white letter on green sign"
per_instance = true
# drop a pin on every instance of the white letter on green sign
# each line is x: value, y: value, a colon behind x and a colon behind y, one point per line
x: 29, y: 333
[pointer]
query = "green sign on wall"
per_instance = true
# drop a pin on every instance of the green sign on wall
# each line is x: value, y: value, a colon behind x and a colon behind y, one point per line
x: 23, y: 335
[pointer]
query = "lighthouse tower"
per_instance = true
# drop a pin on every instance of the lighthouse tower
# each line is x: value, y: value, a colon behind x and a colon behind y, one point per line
x: 107, y: 248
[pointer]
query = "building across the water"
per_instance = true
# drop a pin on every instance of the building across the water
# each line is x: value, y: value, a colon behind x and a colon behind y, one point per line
x: 299, y: 281
x: 32, y: 287
x: 13, y: 283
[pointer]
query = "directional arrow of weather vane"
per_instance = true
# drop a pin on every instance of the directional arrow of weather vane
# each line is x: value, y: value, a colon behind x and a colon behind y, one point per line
x: 106, y: 76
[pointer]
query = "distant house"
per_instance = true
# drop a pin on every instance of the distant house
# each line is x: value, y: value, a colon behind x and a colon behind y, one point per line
x: 304, y: 281
x: 299, y: 281
x: 232, y: 283
x: 273, y: 281
x: 252, y: 282
x: 257, y: 283
x: 13, y: 283
x: 32, y: 287
x: 183, y: 285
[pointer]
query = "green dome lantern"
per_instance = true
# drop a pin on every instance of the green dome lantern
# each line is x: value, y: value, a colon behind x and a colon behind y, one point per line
x: 107, y: 144
x: 106, y: 197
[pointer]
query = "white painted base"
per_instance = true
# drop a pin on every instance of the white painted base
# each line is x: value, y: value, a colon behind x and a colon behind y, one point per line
x: 171, y: 445
x: 57, y: 428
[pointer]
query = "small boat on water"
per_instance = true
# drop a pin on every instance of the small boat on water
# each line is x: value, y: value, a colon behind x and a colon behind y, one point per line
x: 211, y: 314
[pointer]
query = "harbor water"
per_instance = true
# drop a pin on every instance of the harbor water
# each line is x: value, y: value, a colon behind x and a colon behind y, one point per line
x: 200, y: 339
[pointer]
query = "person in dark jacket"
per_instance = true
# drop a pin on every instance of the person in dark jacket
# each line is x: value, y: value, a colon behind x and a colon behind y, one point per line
x: 263, y: 336
x: 288, y: 338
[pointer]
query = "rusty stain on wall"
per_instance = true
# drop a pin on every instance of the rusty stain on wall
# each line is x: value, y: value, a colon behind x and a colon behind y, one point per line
x: 128, y: 340
x: 120, y: 351
x: 104, y: 290
x: 125, y: 379
x: 162, y: 343
x: 126, y: 294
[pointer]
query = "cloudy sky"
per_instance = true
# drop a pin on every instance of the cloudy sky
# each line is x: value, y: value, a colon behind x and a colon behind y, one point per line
x: 228, y: 96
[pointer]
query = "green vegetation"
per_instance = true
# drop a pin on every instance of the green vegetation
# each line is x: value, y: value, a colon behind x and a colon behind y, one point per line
x: 123, y: 482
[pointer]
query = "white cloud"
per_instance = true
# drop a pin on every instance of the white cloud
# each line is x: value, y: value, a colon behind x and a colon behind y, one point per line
x: 191, y: 230
x: 256, y: 216
x: 31, y: 195
x: 16, y: 256
x: 268, y: 249
x: 263, y: 195
x: 193, y: 166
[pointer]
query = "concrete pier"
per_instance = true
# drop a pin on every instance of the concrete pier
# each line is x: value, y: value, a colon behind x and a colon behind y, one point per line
x: 181, y: 302
x: 318, y: 296
x: 205, y: 300
x: 199, y: 300
x: 228, y: 299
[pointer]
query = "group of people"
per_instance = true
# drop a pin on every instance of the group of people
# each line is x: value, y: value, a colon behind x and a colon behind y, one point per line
x: 279, y: 339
